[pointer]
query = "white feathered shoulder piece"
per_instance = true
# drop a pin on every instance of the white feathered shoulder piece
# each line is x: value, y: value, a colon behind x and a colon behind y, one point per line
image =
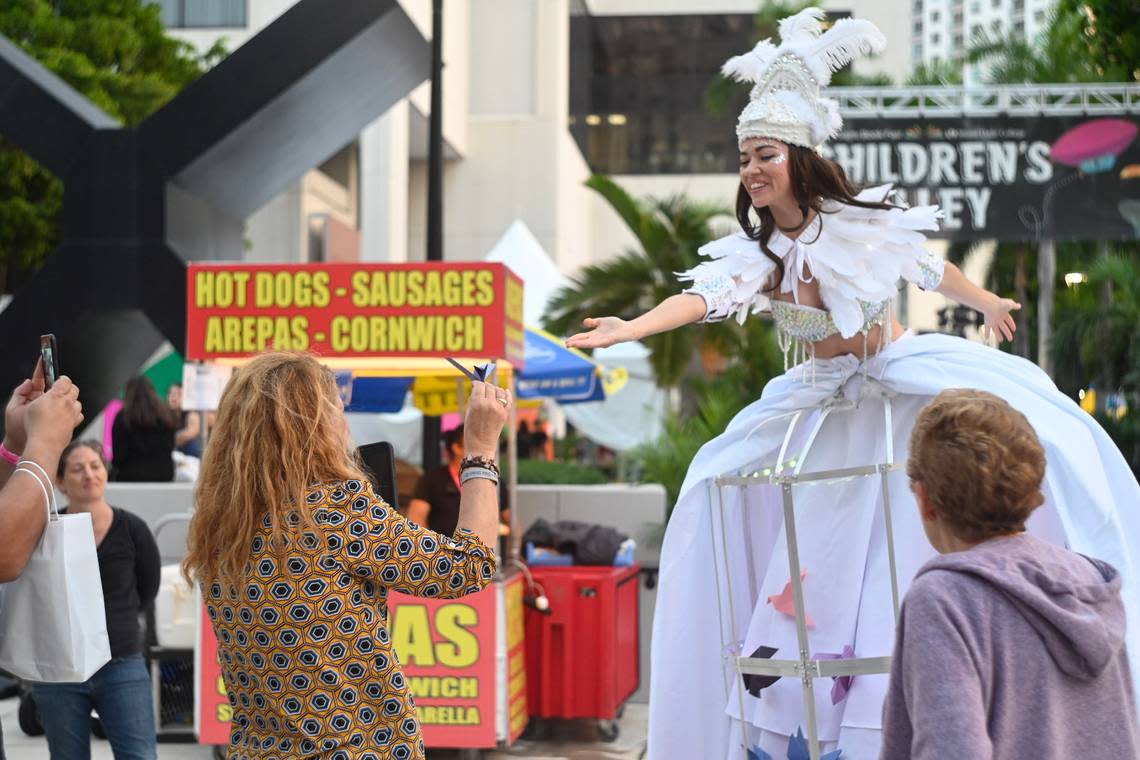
x: 734, y: 280
x: 785, y: 102
x: 856, y: 255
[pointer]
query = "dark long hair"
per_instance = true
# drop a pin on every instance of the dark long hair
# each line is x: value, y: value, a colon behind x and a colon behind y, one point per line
x: 142, y: 408
x: 814, y: 180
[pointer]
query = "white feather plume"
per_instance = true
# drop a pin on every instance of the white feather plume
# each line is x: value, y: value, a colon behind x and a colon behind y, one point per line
x: 802, y: 26
x: 751, y: 65
x: 846, y: 39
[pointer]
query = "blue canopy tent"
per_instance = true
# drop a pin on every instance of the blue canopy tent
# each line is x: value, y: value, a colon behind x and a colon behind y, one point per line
x: 552, y: 371
x: 377, y: 394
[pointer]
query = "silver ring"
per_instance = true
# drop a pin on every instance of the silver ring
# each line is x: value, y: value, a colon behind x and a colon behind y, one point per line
x: 501, y: 399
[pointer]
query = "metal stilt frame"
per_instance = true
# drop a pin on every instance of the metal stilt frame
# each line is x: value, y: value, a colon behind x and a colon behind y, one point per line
x: 805, y: 668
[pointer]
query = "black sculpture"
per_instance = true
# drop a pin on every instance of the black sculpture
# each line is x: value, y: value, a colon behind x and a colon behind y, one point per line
x: 139, y: 203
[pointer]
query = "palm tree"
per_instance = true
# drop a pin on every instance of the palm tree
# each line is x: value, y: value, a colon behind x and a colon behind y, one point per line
x: 1058, y: 55
x: 1099, y: 334
x: 669, y: 231
x: 938, y: 72
x: 1098, y: 337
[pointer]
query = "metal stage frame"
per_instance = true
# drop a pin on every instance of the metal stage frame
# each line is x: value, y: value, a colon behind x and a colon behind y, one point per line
x: 788, y: 477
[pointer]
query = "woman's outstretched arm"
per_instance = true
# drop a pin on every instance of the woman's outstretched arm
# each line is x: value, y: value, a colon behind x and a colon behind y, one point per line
x: 675, y: 311
x: 956, y: 286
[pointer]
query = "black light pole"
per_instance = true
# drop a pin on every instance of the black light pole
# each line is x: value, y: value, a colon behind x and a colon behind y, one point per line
x: 431, y: 437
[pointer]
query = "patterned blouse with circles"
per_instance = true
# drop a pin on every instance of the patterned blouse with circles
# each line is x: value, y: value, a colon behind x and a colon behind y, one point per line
x: 304, y: 646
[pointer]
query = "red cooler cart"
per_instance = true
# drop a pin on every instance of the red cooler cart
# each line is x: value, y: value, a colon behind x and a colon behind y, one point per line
x: 582, y: 657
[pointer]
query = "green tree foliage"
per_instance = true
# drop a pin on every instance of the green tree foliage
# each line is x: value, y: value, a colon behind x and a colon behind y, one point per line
x: 1096, y: 332
x: 1099, y: 335
x: 1111, y: 34
x: 1058, y: 55
x: 114, y: 52
x: 935, y: 73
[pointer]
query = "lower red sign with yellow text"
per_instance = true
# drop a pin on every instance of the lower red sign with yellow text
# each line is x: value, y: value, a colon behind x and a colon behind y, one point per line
x: 448, y: 651
x: 214, y: 712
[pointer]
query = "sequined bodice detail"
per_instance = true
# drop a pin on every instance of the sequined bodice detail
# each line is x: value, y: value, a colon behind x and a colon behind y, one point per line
x: 809, y: 324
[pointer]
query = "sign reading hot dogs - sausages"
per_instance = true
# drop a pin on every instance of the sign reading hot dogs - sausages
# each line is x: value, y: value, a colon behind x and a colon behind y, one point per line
x: 355, y: 310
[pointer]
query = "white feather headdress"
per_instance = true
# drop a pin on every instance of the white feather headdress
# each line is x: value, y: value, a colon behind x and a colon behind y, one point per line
x: 785, y: 103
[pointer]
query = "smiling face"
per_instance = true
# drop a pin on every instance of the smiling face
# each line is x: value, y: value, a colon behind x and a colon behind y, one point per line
x: 764, y: 171
x: 84, y: 478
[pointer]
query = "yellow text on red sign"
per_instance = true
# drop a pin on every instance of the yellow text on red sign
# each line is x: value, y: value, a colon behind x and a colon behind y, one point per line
x: 355, y: 310
x: 447, y: 648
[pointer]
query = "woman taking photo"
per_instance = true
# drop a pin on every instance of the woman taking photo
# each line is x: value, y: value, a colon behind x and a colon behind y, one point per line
x: 130, y: 570
x: 296, y: 555
x: 825, y: 258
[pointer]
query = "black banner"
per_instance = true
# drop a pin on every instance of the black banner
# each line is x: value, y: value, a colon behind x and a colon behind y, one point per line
x: 1006, y: 177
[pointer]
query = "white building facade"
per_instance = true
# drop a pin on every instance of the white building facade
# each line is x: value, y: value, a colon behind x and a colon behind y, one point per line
x: 536, y: 92
x: 508, y: 152
x: 943, y: 30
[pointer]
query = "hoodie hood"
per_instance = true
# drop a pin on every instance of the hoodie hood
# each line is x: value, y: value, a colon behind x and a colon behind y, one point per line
x: 1072, y: 601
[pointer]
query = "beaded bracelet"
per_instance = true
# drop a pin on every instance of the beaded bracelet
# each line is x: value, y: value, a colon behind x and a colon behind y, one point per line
x: 478, y: 461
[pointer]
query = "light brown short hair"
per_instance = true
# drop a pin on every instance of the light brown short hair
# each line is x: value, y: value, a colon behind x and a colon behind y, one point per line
x: 980, y: 462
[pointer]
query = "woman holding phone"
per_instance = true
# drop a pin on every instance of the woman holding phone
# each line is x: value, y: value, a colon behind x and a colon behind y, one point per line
x: 296, y: 554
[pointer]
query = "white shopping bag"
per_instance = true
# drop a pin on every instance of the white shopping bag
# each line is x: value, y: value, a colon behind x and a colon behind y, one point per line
x: 53, y: 626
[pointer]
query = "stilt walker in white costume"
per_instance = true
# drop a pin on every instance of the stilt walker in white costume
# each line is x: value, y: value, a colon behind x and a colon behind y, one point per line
x: 826, y: 260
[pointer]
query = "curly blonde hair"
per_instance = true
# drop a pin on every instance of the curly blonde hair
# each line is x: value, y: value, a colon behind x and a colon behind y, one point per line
x: 279, y: 431
x: 980, y: 462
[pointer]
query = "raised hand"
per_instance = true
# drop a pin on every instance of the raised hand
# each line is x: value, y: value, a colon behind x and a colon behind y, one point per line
x: 487, y: 412
x: 15, y: 434
x: 999, y: 321
x: 52, y: 417
x: 602, y: 332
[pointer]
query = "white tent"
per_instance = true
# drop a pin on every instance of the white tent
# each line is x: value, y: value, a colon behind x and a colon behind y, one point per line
x: 520, y: 250
x: 631, y: 416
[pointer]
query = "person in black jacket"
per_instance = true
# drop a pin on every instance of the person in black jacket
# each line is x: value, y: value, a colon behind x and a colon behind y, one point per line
x: 142, y: 435
x: 130, y: 570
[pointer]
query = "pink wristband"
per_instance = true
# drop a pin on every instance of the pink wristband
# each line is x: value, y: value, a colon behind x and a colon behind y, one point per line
x: 12, y: 458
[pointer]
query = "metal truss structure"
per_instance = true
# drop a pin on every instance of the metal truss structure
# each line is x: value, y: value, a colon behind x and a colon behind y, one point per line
x: 1012, y: 100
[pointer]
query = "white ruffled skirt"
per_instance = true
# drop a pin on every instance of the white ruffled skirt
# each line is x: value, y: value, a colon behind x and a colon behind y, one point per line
x: 698, y: 707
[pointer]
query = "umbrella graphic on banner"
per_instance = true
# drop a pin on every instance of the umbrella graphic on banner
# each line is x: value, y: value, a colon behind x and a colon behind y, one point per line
x: 1091, y: 148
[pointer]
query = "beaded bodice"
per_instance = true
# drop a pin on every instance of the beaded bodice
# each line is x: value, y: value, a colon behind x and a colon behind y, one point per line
x: 809, y: 324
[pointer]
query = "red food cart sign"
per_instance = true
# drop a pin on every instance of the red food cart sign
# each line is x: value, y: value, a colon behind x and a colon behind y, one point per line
x: 447, y: 649
x: 212, y: 709
x: 471, y: 310
x: 517, y: 713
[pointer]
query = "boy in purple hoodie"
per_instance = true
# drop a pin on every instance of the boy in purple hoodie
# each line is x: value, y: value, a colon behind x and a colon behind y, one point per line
x: 1007, y: 647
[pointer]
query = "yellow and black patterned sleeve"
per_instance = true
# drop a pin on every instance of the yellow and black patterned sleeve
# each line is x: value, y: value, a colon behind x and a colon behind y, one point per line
x: 375, y: 542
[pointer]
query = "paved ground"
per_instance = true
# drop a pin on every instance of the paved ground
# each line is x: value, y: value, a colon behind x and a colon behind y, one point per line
x: 576, y: 740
